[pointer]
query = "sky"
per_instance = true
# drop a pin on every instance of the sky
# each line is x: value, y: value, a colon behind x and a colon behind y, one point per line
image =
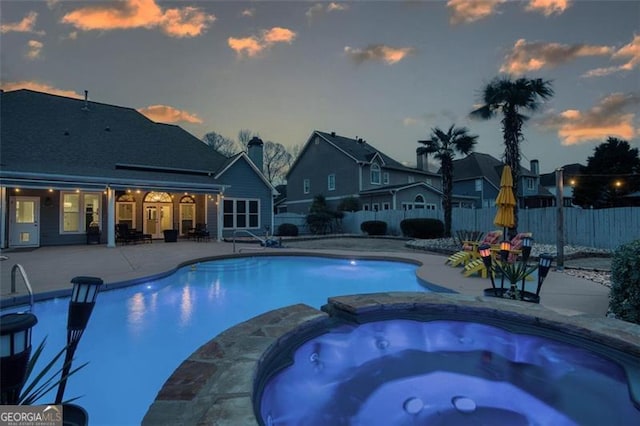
x: 384, y: 71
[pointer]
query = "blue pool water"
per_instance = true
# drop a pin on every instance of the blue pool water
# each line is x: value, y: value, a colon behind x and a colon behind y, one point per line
x: 137, y: 336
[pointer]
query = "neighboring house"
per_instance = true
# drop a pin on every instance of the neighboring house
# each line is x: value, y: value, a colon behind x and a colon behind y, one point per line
x: 478, y: 175
x: 68, y: 165
x: 569, y: 172
x: 338, y: 167
x: 280, y: 202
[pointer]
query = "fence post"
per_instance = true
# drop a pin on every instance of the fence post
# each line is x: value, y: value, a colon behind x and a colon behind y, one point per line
x: 559, y: 221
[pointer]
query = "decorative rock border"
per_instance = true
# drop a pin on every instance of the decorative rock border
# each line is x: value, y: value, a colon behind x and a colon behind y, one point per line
x: 215, y: 384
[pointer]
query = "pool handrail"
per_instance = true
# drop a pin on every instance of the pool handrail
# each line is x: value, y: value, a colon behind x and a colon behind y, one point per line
x: 235, y: 231
x: 25, y: 279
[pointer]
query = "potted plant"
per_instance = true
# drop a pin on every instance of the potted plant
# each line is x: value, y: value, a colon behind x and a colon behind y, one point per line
x: 514, y: 272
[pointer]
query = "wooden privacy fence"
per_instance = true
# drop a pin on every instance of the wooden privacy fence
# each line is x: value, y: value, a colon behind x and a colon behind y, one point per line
x: 602, y: 228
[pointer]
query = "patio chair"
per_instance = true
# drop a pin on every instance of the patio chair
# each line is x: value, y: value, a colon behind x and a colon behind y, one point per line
x: 201, y: 232
x: 126, y: 235
x: 470, y: 249
x: 477, y: 265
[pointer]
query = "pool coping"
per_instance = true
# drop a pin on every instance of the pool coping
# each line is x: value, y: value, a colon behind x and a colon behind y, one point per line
x: 215, y: 384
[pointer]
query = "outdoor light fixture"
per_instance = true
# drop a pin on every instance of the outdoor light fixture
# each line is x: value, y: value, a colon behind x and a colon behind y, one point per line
x: 485, y: 254
x: 527, y: 244
x: 83, y: 298
x: 544, y: 264
x: 505, y: 248
x: 15, y: 350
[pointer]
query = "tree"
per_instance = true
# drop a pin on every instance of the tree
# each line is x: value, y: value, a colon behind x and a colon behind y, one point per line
x: 444, y: 146
x: 244, y: 136
x: 611, y: 172
x: 276, y: 161
x: 223, y: 145
x: 510, y: 98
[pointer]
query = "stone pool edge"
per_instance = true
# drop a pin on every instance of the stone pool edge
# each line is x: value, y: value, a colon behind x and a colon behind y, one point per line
x: 215, y: 384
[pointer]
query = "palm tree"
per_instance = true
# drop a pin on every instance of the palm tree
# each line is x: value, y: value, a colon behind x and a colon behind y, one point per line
x: 444, y: 145
x: 508, y: 98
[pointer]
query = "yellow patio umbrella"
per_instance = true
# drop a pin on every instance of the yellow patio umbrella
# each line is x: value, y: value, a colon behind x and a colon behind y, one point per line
x: 505, y: 201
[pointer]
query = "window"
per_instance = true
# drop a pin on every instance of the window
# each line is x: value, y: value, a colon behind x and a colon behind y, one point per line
x: 428, y: 181
x: 407, y: 206
x: 478, y: 184
x: 385, y: 178
x: 306, y: 186
x: 375, y: 207
x: 430, y: 206
x: 531, y: 183
x: 365, y: 207
x: 386, y: 206
x: 375, y: 174
x: 331, y: 182
x: 419, y: 202
x: 239, y: 214
x: 79, y: 211
x: 411, y: 179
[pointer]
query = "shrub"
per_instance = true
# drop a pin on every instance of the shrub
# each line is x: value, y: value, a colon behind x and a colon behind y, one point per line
x: 374, y: 227
x: 287, y: 230
x: 351, y: 204
x: 422, y: 228
x: 624, y: 296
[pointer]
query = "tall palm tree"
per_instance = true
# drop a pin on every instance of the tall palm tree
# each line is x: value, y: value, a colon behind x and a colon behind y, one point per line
x: 509, y: 98
x: 443, y: 146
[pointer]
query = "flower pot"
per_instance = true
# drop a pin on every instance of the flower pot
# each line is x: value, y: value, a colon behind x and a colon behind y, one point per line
x: 170, y: 235
x: 74, y: 415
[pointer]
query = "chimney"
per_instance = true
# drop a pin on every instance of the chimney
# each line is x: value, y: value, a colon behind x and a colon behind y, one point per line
x: 535, y: 167
x: 86, y: 101
x: 254, y: 150
x: 333, y: 134
x: 421, y: 160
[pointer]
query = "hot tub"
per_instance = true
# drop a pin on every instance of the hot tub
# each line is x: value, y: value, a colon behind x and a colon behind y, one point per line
x: 413, y: 363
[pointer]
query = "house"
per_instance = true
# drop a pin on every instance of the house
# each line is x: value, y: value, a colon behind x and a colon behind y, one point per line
x: 478, y: 175
x: 569, y: 172
x: 70, y: 166
x: 339, y: 168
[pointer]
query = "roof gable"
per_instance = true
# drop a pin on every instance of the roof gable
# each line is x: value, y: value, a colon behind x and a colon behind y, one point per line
x: 242, y: 156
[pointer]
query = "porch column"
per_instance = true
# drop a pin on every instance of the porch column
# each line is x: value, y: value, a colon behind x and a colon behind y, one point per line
x: 219, y: 208
x: 3, y: 216
x: 111, y: 217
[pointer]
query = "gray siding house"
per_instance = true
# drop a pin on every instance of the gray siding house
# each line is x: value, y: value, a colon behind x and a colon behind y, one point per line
x: 338, y: 167
x: 70, y: 166
x: 478, y: 176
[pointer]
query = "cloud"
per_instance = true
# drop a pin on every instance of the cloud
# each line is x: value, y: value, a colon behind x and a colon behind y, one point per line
x: 411, y: 121
x: 547, y: 7
x: 248, y: 13
x: 609, y: 117
x: 178, y: 22
x: 35, y: 48
x: 630, y: 51
x: 467, y: 11
x: 26, y: 25
x: 40, y: 87
x: 320, y: 9
x: 252, y: 46
x: 378, y: 52
x: 525, y: 56
x: 168, y: 114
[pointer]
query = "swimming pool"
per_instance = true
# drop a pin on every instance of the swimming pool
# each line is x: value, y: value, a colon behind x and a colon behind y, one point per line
x: 138, y: 335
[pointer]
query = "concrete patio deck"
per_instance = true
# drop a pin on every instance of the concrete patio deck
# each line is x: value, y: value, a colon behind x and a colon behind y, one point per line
x: 50, y: 269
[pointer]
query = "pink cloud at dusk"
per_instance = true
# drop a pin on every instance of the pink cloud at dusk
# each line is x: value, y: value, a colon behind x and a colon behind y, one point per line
x: 629, y: 52
x: 378, y: 52
x: 610, y: 117
x: 467, y: 11
x: 252, y: 46
x: 168, y: 114
x: 26, y: 25
x: 531, y: 56
x: 177, y: 22
x: 547, y: 7
x: 39, y: 87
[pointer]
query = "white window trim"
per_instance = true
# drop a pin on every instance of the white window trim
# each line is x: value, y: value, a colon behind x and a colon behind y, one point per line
x: 365, y: 207
x: 246, y: 213
x: 386, y: 206
x: 531, y: 183
x: 375, y: 207
x: 385, y: 178
x: 306, y: 186
x: 411, y: 179
x: 331, y: 182
x: 478, y: 184
x: 375, y: 167
x: 82, y: 225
